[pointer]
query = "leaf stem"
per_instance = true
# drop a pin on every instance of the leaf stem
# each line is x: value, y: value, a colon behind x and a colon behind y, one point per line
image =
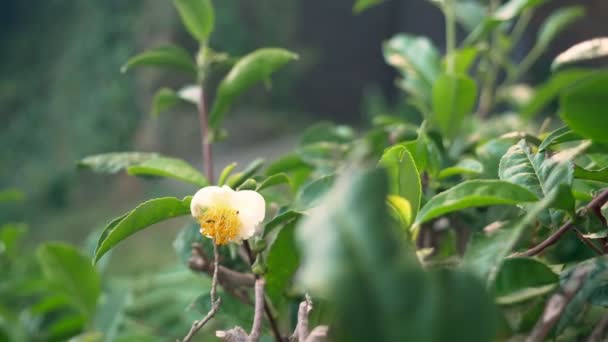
x: 450, y: 35
x: 205, y: 138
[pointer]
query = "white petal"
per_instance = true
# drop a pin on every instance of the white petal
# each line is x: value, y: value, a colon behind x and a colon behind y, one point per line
x: 252, y: 209
x: 208, y: 196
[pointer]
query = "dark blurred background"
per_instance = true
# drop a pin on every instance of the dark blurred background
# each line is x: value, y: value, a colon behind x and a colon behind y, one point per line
x: 62, y: 95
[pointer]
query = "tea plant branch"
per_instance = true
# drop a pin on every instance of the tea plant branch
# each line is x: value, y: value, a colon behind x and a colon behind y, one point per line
x: 215, y: 304
x: 226, y: 276
x: 587, y: 241
x: 557, y: 304
x: 301, y: 332
x: 598, y: 332
x: 205, y: 136
x: 258, y: 316
x: 597, y: 202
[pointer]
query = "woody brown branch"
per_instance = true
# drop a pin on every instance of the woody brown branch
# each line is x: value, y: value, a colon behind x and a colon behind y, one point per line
x: 225, y: 276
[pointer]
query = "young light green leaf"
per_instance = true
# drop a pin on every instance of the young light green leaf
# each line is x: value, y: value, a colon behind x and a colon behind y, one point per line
x: 582, y: 107
x: 362, y: 5
x: 402, y: 209
x: 238, y: 179
x: 404, y: 179
x: 225, y: 173
x: 168, y: 56
x: 474, y: 193
x: 584, y: 51
x: 520, y: 279
x: 71, y: 274
x: 169, y: 168
x: 198, y: 17
x: 559, y: 136
x: 145, y: 215
x: 538, y: 173
x: 467, y: 166
x: 249, y: 70
x: 557, y: 22
x: 454, y: 97
x: 115, y: 161
x: 279, y: 178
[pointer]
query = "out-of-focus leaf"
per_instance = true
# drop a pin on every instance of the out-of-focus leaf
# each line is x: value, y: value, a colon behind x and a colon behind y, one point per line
x: 600, y: 175
x: 514, y: 8
x: 168, y: 56
x: 115, y: 162
x: 583, y: 105
x: 286, y: 163
x: 279, y: 178
x: 281, y: 219
x: 169, y: 168
x: 584, y: 51
x: 327, y: 132
x: 111, y: 312
x: 453, y: 98
x: 11, y: 235
x: 70, y: 273
x: 166, y: 98
x: 282, y: 262
x: 559, y: 136
x: 463, y: 59
x: 539, y: 174
x: 557, y: 22
x: 520, y: 279
x: 197, y: 16
x: 237, y: 179
x: 145, y: 215
x: 310, y: 195
x: 404, y: 179
x: 225, y: 173
x: 249, y: 70
x: 474, y: 193
x: 182, y: 244
x: 362, y: 5
x: 465, y: 166
x: 11, y: 195
x: 470, y: 14
x: 346, y: 239
x: 402, y: 209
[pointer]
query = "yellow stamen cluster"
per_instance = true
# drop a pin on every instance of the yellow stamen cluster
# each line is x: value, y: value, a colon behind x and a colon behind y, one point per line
x: 220, y: 223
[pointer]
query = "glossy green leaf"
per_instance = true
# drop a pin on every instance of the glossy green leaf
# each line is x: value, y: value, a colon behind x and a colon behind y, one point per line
x: 583, y: 106
x: 237, y: 179
x: 559, y: 136
x: 278, y: 179
x: 168, y: 56
x: 600, y: 175
x: 253, y: 68
x: 197, y: 16
x: 404, y: 179
x: 474, y: 193
x: 581, y: 52
x: 311, y: 194
x: 557, y: 22
x: 71, y: 274
x: 467, y: 166
x: 362, y: 5
x: 115, y: 162
x: 169, y: 168
x: 145, y: 215
x: 454, y: 97
x: 225, y: 173
x: 282, y: 261
x: 539, y: 174
x: 520, y: 279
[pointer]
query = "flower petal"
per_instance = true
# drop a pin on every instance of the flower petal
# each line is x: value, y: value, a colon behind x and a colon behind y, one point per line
x: 208, y: 196
x: 252, y: 210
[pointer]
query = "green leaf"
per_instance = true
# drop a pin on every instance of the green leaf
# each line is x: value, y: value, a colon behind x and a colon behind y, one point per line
x: 559, y: 136
x: 249, y: 70
x: 557, y: 22
x: 225, y: 173
x: 404, y: 179
x: 584, y: 51
x: 539, y: 174
x: 467, y: 166
x: 115, y: 162
x: 311, y: 194
x: 474, y: 193
x: 548, y: 91
x: 362, y: 5
x: 463, y: 60
x: 166, y: 98
x: 238, y: 179
x: 71, y: 274
x: 281, y: 219
x: 514, y: 8
x: 402, y: 210
x: 583, y: 105
x: 169, y: 168
x: 11, y: 238
x: 145, y: 215
x: 486, y: 254
x: 168, y: 56
x: 11, y: 195
x: 327, y: 132
x: 198, y: 17
x: 282, y: 262
x: 454, y: 97
x: 286, y: 163
x: 182, y: 244
x: 278, y: 179
x: 600, y: 175
x: 111, y: 312
x: 520, y: 279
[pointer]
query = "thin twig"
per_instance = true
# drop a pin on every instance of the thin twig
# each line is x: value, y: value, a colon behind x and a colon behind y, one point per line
x: 205, y: 136
x: 557, y: 304
x: 301, y: 332
x: 587, y: 242
x: 599, y: 201
x: 256, y: 328
x: 598, y: 331
x: 226, y: 277
x: 215, y: 304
